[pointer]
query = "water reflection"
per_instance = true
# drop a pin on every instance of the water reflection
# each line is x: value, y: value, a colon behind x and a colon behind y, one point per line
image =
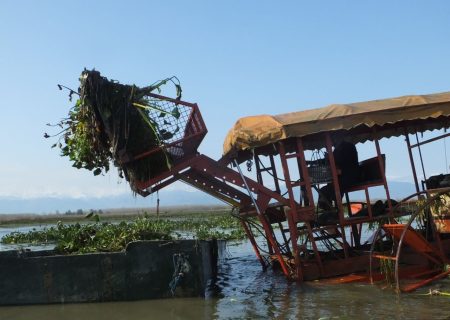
x: 244, y: 291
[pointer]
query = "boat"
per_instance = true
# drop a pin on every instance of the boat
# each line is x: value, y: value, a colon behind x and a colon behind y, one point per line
x: 291, y: 157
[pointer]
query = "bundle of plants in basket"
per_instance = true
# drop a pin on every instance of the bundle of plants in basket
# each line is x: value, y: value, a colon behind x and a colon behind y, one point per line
x: 111, y: 123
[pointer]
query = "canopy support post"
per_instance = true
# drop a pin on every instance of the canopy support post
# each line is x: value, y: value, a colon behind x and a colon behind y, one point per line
x: 329, y: 146
x: 411, y: 160
x: 383, y: 172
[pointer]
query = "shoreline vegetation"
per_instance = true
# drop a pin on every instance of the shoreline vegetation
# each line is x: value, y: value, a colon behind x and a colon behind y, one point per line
x: 111, y: 231
x: 112, y: 214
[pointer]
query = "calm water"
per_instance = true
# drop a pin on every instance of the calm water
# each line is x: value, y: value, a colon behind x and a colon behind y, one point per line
x: 6, y: 230
x: 244, y: 291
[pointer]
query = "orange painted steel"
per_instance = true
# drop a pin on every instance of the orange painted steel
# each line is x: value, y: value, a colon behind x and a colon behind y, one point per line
x: 412, y: 238
x: 305, y: 248
x: 415, y: 286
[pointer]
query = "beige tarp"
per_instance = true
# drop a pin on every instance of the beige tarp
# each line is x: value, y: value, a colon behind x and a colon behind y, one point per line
x: 256, y: 131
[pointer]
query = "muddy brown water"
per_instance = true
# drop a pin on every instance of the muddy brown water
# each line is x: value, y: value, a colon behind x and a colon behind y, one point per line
x: 244, y: 291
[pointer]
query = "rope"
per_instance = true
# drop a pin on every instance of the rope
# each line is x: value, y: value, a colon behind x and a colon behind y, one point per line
x: 157, y: 204
x: 181, y: 267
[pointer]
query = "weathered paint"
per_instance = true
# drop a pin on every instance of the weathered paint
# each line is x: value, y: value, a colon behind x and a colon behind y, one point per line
x: 143, y: 271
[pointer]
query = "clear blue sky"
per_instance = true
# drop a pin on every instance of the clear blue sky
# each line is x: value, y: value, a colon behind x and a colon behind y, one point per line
x: 234, y: 58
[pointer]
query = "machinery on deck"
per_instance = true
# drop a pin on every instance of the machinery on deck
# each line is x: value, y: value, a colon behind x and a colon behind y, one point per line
x: 292, y: 158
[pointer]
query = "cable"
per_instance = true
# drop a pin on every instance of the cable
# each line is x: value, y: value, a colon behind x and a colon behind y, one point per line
x: 445, y: 151
x: 420, y: 154
x: 279, y: 179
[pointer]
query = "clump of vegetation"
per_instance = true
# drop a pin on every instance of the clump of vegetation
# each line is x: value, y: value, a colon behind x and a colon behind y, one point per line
x: 111, y: 123
x: 387, y: 268
x: 94, y: 237
x: 107, y: 237
x: 224, y: 227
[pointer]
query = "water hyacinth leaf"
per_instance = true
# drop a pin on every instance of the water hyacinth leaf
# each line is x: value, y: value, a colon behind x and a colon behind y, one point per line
x: 107, y: 236
x: 165, y: 135
x: 151, y: 106
x: 153, y: 125
x: 179, y: 91
x: 77, y: 165
x: 176, y: 113
x: 97, y: 131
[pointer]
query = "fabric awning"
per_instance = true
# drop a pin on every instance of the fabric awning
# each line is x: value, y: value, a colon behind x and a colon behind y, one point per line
x: 257, y: 131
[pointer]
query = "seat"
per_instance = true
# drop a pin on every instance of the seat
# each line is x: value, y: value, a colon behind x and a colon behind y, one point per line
x: 371, y: 176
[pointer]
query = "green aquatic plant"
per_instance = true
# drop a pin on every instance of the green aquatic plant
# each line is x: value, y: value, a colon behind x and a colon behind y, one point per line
x: 93, y: 237
x: 387, y: 268
x: 106, y: 236
x: 112, y: 123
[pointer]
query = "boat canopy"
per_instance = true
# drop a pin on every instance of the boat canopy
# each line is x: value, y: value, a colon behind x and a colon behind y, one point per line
x: 387, y: 117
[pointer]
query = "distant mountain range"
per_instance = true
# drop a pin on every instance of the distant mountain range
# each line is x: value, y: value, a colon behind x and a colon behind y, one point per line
x: 398, y: 190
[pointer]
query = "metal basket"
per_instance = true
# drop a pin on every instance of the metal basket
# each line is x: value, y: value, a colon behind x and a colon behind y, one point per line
x: 180, y: 137
x: 180, y: 144
x: 319, y: 170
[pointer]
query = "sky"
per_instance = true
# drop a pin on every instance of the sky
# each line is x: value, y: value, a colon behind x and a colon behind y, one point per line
x: 233, y: 58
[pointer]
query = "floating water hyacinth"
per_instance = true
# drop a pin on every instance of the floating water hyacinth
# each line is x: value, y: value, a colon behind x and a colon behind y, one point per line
x: 111, y: 123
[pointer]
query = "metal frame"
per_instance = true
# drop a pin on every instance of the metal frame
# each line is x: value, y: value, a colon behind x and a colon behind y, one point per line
x: 304, y: 250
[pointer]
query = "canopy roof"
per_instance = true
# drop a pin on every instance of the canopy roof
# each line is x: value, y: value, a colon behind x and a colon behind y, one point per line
x: 428, y: 111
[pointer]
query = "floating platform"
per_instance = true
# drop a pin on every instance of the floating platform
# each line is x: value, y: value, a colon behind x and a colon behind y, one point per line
x: 143, y: 271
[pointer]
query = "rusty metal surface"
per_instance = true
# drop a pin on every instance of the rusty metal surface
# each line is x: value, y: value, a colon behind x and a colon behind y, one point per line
x: 143, y: 271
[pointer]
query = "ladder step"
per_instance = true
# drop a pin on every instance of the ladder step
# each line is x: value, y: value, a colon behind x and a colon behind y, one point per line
x: 383, y: 257
x: 290, y: 156
x: 298, y: 184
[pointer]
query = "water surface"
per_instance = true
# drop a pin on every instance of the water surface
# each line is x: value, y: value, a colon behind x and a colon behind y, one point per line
x: 244, y: 291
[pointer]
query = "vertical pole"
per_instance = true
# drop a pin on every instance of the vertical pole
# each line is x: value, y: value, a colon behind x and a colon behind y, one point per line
x: 304, y: 174
x: 310, y: 203
x: 383, y: 172
x: 337, y: 191
x: 411, y: 160
x: 157, y: 204
x: 291, y: 212
x: 369, y: 207
x: 275, y: 176
x: 334, y: 174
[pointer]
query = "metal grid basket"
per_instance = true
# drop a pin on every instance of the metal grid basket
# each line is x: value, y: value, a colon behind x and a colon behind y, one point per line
x: 319, y: 170
x: 179, y: 136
